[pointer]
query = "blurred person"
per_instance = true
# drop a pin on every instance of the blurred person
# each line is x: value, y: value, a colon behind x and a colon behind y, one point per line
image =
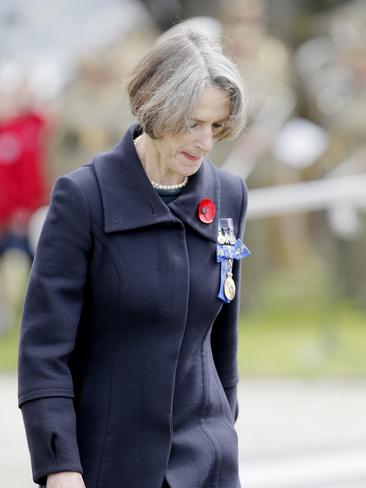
x: 265, y: 60
x: 332, y: 75
x: 22, y: 185
x: 22, y: 180
x: 83, y: 128
x: 128, y: 347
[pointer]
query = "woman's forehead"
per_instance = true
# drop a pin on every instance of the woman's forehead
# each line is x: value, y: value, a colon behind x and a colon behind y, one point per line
x: 213, y: 105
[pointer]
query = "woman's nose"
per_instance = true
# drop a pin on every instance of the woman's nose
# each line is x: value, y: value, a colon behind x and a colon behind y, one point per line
x: 205, y: 140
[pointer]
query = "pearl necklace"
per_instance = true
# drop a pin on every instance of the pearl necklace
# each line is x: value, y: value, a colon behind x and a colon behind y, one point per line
x: 158, y: 186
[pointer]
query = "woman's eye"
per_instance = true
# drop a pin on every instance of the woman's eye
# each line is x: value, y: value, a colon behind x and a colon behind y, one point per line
x: 217, y: 126
x: 192, y: 125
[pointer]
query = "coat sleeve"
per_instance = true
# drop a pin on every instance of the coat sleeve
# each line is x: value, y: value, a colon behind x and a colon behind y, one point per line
x: 49, y: 327
x: 224, y: 336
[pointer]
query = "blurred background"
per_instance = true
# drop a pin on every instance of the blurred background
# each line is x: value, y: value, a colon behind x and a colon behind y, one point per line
x: 302, y: 350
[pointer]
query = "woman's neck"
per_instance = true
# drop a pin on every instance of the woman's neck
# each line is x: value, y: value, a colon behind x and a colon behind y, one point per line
x: 156, y: 168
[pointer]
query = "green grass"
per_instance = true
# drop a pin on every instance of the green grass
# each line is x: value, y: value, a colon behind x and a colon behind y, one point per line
x: 297, y: 340
x: 9, y: 350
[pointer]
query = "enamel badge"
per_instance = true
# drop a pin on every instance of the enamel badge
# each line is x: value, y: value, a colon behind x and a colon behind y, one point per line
x: 206, y: 211
x: 228, y: 249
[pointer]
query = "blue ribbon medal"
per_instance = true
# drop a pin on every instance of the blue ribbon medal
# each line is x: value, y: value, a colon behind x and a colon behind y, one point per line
x: 228, y: 248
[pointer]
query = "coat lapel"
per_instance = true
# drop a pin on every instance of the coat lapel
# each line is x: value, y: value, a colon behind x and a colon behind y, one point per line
x: 130, y: 201
x: 203, y: 184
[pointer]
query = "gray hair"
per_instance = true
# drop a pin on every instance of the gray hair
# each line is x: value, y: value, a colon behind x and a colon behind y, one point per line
x: 165, y: 85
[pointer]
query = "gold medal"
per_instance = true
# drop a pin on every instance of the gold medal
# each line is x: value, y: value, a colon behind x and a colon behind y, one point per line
x: 221, y: 239
x: 232, y: 239
x: 229, y: 287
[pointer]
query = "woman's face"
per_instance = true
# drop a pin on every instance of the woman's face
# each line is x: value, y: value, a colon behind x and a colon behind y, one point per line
x: 183, y: 153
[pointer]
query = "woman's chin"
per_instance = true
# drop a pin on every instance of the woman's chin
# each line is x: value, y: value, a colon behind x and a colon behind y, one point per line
x: 189, y: 168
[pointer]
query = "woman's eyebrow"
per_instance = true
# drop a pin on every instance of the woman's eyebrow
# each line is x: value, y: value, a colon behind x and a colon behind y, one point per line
x: 214, y: 122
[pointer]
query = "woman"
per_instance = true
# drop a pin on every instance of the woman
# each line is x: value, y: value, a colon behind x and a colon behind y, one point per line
x: 127, y: 365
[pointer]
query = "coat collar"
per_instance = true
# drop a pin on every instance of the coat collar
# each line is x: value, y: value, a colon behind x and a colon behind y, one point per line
x: 130, y: 201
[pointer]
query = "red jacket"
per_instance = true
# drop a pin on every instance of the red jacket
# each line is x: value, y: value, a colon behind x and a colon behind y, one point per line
x: 22, y: 185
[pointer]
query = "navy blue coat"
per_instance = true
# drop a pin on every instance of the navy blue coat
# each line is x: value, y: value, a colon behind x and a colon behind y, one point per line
x: 128, y: 360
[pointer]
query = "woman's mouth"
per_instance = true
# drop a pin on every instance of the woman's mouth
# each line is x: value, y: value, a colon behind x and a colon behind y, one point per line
x: 190, y: 157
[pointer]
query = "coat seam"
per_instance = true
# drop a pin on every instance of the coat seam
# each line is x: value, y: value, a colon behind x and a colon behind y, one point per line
x: 171, y: 441
x: 98, y: 235
x: 202, y: 422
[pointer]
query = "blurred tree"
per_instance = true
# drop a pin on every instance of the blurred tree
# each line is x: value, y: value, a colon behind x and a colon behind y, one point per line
x: 167, y: 12
x: 292, y: 20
